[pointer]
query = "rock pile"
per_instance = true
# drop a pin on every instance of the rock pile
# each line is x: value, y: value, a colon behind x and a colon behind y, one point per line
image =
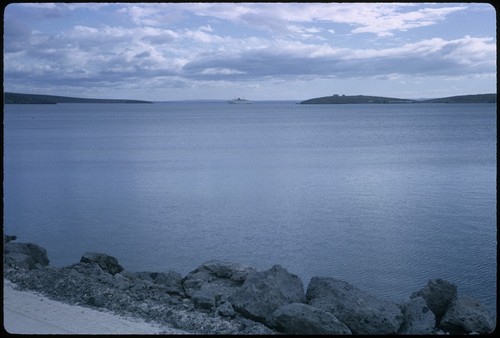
x: 229, y: 298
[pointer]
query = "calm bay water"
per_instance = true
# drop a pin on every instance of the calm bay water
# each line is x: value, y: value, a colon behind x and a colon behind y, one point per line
x: 385, y: 197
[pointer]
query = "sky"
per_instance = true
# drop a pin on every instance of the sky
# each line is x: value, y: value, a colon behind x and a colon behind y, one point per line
x: 260, y: 51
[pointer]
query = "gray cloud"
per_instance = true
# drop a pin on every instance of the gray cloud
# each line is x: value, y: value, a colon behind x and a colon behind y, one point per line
x: 144, y: 55
x: 159, y: 39
x: 455, y: 58
x: 431, y: 58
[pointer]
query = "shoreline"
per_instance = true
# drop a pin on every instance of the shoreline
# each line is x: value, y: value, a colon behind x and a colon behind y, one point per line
x: 28, y: 312
x: 229, y: 298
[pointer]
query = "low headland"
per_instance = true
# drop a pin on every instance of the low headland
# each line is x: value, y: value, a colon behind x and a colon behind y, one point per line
x: 352, y: 99
x: 19, y: 98
x: 229, y: 298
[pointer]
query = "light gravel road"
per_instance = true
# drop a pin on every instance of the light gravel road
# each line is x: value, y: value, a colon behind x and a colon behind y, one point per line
x: 27, y: 312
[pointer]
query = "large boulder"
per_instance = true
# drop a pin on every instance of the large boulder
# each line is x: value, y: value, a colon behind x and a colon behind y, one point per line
x: 418, y: 319
x: 171, y: 281
x: 233, y: 271
x: 226, y: 310
x: 107, y: 263
x: 8, y: 238
x: 360, y: 311
x: 121, y: 281
x: 264, y: 292
x: 438, y: 295
x: 210, y: 285
x: 303, y: 319
x: 26, y: 255
x: 207, y: 295
x: 467, y: 315
x: 19, y: 260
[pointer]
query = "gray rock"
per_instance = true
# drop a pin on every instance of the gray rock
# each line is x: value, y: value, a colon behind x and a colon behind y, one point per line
x: 213, y: 282
x: 438, y: 295
x: 130, y: 275
x: 18, y: 259
x: 87, y: 269
x: 226, y: 310
x: 170, y: 280
x: 7, y: 238
x: 107, y: 263
x: 97, y: 300
x: 121, y: 282
x: 264, y: 292
x: 299, y: 318
x: 204, y: 297
x: 418, y: 319
x: 467, y: 315
x: 187, y: 303
x: 36, y: 254
x: 234, y: 271
x: 143, y: 275
x: 360, y: 311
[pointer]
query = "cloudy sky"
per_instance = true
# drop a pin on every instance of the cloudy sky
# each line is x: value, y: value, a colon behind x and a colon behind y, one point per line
x: 261, y: 51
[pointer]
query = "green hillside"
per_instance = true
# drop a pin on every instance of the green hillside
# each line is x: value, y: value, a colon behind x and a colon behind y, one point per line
x: 18, y: 98
x: 479, y: 98
x: 344, y: 99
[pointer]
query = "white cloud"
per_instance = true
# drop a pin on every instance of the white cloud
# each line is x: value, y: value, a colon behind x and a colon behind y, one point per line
x: 220, y: 71
x: 382, y: 19
x: 377, y: 18
x: 201, y: 36
x: 206, y: 28
x: 143, y: 15
x: 226, y: 43
x: 384, y: 23
x: 119, y: 53
x: 286, y: 58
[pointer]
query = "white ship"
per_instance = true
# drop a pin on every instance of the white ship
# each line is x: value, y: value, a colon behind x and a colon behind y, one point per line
x: 239, y: 101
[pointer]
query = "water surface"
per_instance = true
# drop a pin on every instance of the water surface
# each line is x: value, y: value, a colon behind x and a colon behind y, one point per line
x: 385, y: 197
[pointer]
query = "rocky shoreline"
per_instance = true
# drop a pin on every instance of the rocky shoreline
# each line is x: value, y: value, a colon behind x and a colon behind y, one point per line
x: 229, y: 298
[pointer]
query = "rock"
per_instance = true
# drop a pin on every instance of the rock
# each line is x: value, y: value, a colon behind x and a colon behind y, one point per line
x: 107, y: 263
x: 438, y: 294
x: 204, y: 298
x: 360, y: 311
x: 121, y: 282
x: 467, y: 315
x: 170, y: 280
x: 418, y: 319
x: 97, y: 300
x: 264, y: 292
x: 303, y: 319
x: 36, y: 254
x: 143, y: 275
x: 188, y: 303
x: 7, y: 238
x: 233, y: 274
x: 18, y: 259
x: 86, y: 268
x: 234, y: 271
x: 226, y: 310
x: 213, y: 282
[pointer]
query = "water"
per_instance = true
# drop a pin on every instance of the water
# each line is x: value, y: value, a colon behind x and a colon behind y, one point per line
x: 385, y: 197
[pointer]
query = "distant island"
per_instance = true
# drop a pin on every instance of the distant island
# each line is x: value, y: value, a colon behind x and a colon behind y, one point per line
x: 348, y: 99
x: 478, y: 98
x: 18, y: 98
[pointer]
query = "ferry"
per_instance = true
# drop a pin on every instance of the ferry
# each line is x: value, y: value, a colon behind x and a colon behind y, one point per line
x: 239, y: 101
